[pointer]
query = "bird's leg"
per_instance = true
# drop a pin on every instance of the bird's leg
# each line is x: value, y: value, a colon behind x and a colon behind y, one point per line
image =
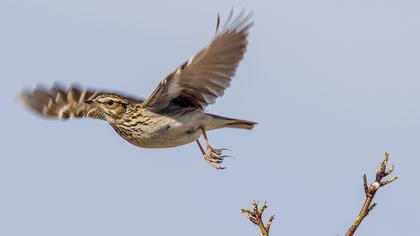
x: 212, y: 159
x: 210, y: 149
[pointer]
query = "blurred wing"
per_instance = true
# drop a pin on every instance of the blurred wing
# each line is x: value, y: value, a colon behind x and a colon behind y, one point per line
x: 57, y: 102
x: 203, y: 78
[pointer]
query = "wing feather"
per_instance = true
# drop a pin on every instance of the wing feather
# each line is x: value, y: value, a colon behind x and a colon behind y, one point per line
x: 204, y: 77
x: 58, y: 102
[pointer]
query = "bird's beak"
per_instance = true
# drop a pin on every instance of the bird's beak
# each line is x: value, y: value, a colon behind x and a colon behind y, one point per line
x: 88, y: 101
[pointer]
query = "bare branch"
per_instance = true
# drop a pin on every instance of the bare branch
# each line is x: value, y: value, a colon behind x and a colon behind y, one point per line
x: 255, y: 216
x: 370, y: 192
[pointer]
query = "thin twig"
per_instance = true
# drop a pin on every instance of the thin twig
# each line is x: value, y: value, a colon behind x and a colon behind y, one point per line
x: 255, y: 216
x: 370, y: 192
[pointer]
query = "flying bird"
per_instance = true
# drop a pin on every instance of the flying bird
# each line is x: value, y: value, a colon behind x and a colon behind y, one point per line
x: 174, y: 114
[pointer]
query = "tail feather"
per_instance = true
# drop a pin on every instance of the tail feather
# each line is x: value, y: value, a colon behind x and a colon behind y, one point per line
x: 241, y: 124
x: 233, y: 123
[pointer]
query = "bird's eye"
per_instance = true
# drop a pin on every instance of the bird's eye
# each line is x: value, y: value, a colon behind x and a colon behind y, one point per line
x: 110, y: 102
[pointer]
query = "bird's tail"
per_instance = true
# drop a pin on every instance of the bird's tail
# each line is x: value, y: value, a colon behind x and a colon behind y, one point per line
x: 232, y: 123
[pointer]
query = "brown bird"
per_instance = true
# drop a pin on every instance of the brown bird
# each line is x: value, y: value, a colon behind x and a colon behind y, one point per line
x: 174, y: 114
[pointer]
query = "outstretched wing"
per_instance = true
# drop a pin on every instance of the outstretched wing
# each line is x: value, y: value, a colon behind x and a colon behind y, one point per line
x: 203, y: 78
x: 58, y: 102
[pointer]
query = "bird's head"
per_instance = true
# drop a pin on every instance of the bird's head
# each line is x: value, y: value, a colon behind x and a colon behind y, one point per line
x: 112, y: 105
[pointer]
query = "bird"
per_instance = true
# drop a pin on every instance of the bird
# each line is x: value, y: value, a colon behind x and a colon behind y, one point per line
x: 174, y: 114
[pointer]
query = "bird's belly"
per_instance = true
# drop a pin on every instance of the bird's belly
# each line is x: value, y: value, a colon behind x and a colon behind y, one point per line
x: 170, y: 133
x: 167, y: 138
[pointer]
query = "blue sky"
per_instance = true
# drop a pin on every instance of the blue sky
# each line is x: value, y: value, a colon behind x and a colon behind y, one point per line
x: 333, y: 85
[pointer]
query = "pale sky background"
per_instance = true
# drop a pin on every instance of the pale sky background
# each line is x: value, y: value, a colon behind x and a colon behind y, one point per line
x: 333, y: 85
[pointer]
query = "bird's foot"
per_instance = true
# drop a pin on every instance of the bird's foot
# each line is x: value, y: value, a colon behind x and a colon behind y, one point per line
x: 215, y: 157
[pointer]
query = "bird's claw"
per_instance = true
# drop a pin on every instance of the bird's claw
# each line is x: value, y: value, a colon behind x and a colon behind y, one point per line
x: 214, y: 158
x: 217, y: 151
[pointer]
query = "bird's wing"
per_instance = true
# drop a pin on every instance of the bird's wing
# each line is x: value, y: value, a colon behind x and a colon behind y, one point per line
x: 204, y: 77
x: 58, y: 102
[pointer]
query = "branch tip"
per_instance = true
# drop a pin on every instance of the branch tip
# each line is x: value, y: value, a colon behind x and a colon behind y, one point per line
x: 365, y: 184
x: 255, y: 216
x: 388, y: 181
x: 390, y: 170
x: 370, y: 191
